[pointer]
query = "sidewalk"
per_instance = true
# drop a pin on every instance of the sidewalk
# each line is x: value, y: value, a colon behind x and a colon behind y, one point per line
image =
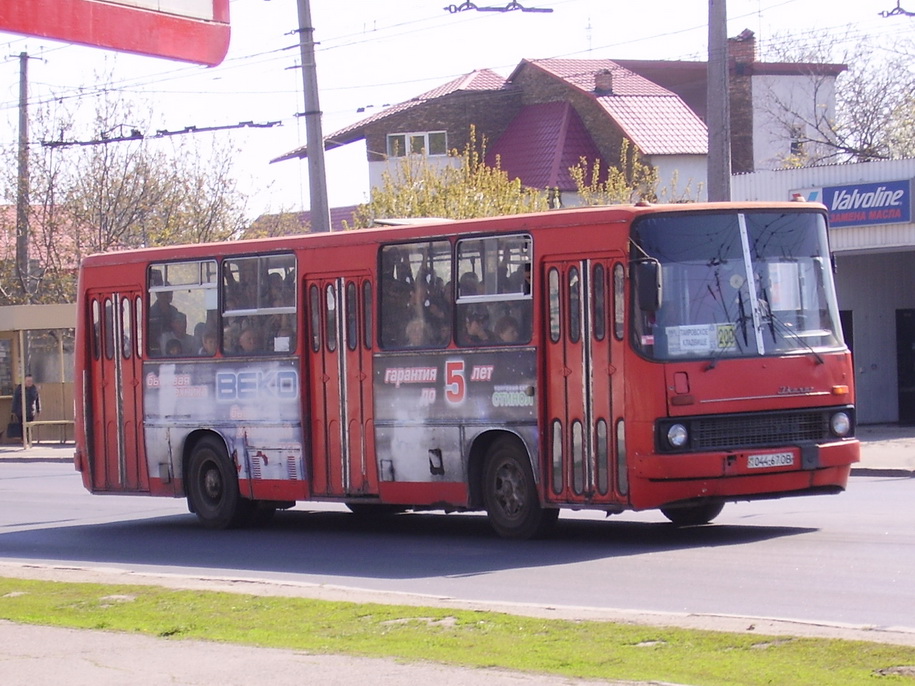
x: 886, y: 450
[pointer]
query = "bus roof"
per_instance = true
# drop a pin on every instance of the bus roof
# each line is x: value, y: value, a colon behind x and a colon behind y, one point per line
x: 419, y: 229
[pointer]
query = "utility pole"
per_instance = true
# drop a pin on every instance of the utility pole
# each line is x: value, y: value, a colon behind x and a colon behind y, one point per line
x: 718, y: 102
x: 22, y: 192
x: 314, y: 138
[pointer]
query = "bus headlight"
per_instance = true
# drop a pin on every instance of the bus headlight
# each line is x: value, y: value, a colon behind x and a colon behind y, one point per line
x: 677, y: 435
x: 840, y: 424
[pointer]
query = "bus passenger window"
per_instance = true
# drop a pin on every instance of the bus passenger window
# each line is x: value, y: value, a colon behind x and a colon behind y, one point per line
x: 182, y: 297
x: 494, y: 302
x: 258, y: 304
x: 416, y: 302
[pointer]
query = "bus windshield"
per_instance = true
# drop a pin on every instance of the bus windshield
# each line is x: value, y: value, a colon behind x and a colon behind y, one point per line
x: 736, y: 284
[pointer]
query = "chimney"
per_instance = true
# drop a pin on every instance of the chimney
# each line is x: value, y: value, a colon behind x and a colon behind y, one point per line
x: 603, y: 82
x: 742, y: 48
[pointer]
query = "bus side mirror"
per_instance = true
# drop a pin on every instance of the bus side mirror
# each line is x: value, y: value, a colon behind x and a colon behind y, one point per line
x: 648, y: 285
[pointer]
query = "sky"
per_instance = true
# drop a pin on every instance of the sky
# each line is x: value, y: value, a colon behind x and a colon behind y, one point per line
x: 373, y: 53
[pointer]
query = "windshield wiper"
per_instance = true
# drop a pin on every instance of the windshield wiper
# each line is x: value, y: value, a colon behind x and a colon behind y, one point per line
x: 777, y: 324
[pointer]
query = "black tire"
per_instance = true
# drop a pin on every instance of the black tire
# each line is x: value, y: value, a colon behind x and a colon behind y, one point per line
x: 510, y: 494
x: 212, y: 487
x: 693, y: 515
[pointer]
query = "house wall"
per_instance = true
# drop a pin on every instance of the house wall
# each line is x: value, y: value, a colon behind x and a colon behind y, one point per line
x: 779, y: 100
x: 682, y: 177
x: 378, y: 169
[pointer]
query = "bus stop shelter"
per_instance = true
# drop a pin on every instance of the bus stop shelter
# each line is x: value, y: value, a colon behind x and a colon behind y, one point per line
x: 38, y: 340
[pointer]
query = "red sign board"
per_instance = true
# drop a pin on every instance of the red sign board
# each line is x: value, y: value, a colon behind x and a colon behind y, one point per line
x: 188, y: 30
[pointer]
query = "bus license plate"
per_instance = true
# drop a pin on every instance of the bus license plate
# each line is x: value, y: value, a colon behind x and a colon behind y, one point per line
x: 770, y: 460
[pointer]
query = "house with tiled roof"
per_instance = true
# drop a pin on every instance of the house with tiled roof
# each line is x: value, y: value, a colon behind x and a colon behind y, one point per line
x: 549, y: 113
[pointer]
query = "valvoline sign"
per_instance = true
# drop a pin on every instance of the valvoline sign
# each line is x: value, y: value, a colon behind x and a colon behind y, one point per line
x: 886, y: 202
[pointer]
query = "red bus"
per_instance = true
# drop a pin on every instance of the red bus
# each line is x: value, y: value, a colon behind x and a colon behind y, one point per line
x: 627, y: 357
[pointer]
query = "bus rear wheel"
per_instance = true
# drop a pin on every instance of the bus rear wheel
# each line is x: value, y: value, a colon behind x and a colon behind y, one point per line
x: 212, y: 487
x: 693, y: 515
x: 510, y: 494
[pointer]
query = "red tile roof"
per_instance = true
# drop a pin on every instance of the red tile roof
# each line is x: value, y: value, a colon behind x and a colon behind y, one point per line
x: 540, y: 145
x: 655, y: 119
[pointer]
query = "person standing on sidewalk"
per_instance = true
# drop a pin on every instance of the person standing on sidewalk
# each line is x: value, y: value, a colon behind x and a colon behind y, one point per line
x: 32, y: 401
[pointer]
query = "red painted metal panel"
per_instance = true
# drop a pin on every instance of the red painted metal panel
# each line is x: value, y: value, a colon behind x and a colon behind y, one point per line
x: 122, y: 27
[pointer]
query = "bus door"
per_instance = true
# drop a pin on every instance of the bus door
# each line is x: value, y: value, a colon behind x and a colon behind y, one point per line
x: 115, y: 388
x: 584, y: 379
x: 340, y: 381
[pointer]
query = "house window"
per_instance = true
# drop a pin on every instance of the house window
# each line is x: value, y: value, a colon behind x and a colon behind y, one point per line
x: 429, y: 143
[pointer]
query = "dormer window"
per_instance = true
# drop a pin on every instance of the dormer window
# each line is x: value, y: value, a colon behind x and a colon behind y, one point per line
x: 430, y: 143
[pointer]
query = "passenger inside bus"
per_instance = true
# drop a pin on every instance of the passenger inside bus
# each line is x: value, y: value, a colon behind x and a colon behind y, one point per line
x: 469, y: 284
x: 507, y: 330
x: 208, y: 342
x: 160, y: 315
x: 476, y: 328
x: 177, y: 331
x: 249, y: 341
x: 417, y: 333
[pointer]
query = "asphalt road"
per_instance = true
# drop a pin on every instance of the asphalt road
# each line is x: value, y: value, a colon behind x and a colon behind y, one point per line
x: 843, y: 560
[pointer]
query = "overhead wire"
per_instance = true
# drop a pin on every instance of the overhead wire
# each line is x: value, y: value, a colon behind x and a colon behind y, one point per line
x: 144, y: 84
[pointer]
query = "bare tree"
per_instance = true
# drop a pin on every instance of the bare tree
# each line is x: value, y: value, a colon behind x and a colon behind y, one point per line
x: 872, y: 118
x: 114, y: 190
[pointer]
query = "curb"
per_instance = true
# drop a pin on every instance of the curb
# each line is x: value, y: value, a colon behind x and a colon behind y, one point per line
x: 887, y: 472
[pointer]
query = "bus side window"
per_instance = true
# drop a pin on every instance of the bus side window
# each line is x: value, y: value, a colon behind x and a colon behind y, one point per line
x: 619, y: 300
x: 415, y: 291
x: 258, y: 304
x: 352, y: 317
x: 599, y: 316
x: 314, y: 308
x: 109, y: 329
x: 138, y: 309
x: 367, y: 313
x: 96, y: 329
x: 126, y: 329
x: 494, y: 305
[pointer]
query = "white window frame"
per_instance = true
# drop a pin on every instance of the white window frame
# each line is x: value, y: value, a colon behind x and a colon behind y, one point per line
x: 407, y: 140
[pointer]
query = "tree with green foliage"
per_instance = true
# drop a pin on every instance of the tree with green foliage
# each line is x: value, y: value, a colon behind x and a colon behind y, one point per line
x: 631, y: 181
x: 462, y: 187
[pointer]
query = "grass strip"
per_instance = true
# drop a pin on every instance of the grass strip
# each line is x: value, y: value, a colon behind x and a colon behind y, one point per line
x: 582, y: 649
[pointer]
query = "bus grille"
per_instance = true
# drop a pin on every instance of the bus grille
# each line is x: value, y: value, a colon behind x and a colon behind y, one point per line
x: 759, y: 429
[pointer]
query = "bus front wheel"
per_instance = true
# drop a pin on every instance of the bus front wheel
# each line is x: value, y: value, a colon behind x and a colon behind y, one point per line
x: 510, y: 494
x: 212, y: 487
x: 693, y: 515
